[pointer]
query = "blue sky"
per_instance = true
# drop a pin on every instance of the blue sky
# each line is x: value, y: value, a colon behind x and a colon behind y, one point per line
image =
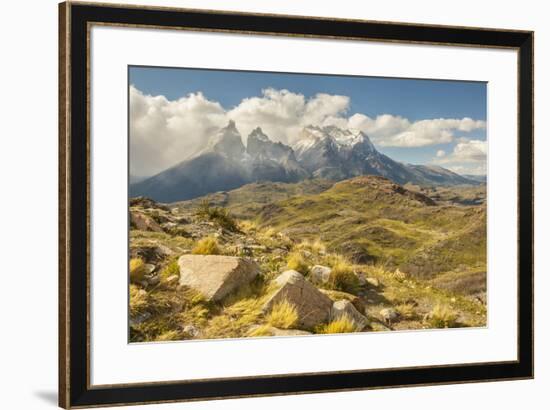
x: 412, y: 99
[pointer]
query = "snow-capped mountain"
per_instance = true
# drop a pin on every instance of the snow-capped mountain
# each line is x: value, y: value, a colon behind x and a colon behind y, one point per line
x: 224, y: 164
x: 333, y: 153
x: 327, y: 152
x: 272, y: 161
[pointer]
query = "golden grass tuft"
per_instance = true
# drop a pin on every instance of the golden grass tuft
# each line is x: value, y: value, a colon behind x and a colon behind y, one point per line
x: 169, y: 335
x: 207, y: 246
x: 137, y: 269
x: 248, y: 226
x: 343, y: 277
x: 263, y: 330
x: 442, y: 317
x: 317, y: 246
x: 297, y: 262
x: 169, y: 270
x: 283, y: 315
x: 407, y: 311
x: 139, y: 300
x: 341, y: 325
x: 269, y: 232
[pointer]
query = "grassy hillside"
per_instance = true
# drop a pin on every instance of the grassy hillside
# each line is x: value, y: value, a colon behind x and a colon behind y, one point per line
x: 390, y: 249
x: 387, y: 224
x: 246, y: 201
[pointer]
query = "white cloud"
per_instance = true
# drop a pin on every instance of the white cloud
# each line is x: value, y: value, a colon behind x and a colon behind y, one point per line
x: 394, y: 131
x: 282, y: 114
x: 468, y: 157
x: 163, y: 132
x: 440, y: 153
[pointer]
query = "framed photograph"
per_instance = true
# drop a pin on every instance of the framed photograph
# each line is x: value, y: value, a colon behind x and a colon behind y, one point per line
x: 266, y: 205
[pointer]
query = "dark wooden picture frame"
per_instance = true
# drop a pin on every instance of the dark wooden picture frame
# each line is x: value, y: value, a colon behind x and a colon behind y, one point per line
x: 75, y: 389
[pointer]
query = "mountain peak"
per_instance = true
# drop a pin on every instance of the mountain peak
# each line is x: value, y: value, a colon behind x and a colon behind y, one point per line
x: 227, y: 141
x: 258, y: 134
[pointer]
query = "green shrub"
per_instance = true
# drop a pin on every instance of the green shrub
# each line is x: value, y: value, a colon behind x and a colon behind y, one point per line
x: 217, y: 214
x: 207, y: 246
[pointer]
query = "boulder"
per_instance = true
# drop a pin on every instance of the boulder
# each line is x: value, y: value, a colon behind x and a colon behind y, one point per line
x: 144, y: 222
x: 335, y: 295
x: 345, y: 308
x: 320, y: 274
x: 313, y: 307
x: 216, y: 276
x: 373, y: 282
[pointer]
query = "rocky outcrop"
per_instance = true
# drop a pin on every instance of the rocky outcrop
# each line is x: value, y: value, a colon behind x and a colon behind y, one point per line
x: 144, y: 222
x: 345, y: 308
x: 313, y: 307
x: 216, y: 276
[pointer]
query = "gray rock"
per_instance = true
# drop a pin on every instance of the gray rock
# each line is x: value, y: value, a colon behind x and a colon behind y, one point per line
x: 373, y: 282
x: 345, y: 308
x: 216, y: 276
x: 389, y: 315
x: 313, y: 307
x: 172, y: 279
x: 191, y: 330
x: 320, y: 274
x: 144, y: 222
x: 138, y: 319
x: 148, y: 268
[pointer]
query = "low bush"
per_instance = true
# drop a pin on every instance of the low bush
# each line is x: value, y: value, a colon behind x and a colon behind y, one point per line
x: 217, y: 214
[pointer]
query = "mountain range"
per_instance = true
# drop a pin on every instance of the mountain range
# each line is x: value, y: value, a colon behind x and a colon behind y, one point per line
x: 320, y: 152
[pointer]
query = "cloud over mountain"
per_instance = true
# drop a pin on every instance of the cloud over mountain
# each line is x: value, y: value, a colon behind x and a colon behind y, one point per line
x: 162, y: 132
